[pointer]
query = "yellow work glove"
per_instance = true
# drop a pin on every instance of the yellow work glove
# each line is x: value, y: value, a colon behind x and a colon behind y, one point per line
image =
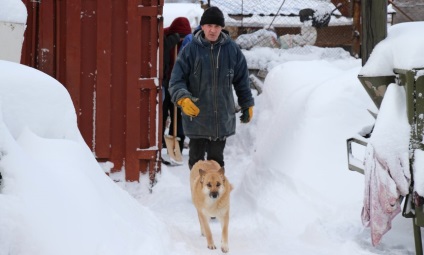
x: 188, y: 107
x: 246, y: 115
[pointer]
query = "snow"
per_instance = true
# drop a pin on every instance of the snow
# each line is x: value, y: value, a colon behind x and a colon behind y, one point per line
x: 387, y: 171
x: 393, y: 143
x: 263, y: 15
x: 13, y: 11
x: 266, y: 59
x: 399, y: 50
x: 55, y: 198
x: 13, y: 15
x: 288, y: 7
x: 293, y: 193
x: 193, y: 12
x: 418, y: 171
x: 280, y: 21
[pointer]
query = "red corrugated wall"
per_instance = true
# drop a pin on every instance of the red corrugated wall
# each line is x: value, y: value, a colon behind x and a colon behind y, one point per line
x: 107, y: 54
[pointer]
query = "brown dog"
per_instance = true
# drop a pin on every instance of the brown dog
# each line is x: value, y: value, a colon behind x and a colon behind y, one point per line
x: 210, y: 192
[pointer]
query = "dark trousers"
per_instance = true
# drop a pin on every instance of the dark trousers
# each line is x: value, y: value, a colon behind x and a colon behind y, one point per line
x: 213, y: 150
x: 168, y: 110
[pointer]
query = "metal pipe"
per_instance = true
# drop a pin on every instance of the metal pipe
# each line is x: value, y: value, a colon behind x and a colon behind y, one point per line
x: 417, y: 237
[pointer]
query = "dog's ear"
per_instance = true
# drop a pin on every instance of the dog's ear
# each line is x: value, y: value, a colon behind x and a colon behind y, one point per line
x: 202, y: 174
x: 221, y: 171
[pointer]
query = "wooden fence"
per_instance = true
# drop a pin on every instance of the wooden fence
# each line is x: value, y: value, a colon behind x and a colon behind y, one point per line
x: 107, y: 54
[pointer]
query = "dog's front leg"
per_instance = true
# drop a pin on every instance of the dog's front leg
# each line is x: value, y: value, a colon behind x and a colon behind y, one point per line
x: 224, y: 224
x: 202, y: 229
x: 204, y: 223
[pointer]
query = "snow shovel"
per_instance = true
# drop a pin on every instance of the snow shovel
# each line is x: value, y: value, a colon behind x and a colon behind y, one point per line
x: 172, y: 144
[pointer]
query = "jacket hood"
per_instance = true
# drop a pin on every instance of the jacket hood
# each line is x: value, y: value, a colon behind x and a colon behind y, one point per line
x: 180, y: 25
x: 199, y: 37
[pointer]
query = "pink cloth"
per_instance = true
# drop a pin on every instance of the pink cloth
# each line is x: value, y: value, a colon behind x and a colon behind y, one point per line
x: 382, y: 193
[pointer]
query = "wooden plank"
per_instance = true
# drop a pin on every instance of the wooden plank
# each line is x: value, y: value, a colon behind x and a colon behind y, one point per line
x: 160, y: 79
x: 142, y: 96
x: 118, y: 83
x: 102, y: 132
x: 148, y: 69
x: 334, y: 36
x: 147, y: 154
x: 148, y: 89
x: 356, y: 45
x: 145, y: 120
x: 146, y: 49
x: 153, y: 46
x: 46, y: 47
x: 132, y: 167
x: 30, y: 35
x: 72, y: 52
x: 61, y: 44
x: 147, y: 84
x: 154, y: 131
x: 86, y: 123
x: 374, y: 25
x: 345, y: 8
x: 155, y: 134
x: 150, y: 99
x: 147, y: 11
x: 102, y: 61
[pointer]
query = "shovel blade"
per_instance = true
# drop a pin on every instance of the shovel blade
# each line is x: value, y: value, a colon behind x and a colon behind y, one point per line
x: 173, y: 148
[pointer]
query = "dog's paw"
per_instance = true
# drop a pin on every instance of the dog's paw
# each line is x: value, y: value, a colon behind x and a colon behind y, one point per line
x: 212, y: 246
x: 224, y: 248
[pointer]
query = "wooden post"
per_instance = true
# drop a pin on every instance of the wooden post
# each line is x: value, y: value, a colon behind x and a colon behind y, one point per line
x: 356, y: 46
x: 374, y: 25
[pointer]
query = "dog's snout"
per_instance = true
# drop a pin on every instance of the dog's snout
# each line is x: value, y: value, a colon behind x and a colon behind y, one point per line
x: 214, y: 194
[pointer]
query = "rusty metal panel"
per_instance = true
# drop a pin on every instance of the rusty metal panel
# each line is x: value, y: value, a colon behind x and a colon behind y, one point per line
x: 107, y: 54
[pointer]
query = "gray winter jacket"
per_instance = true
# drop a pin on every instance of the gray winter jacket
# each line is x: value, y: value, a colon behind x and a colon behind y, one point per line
x: 207, y: 73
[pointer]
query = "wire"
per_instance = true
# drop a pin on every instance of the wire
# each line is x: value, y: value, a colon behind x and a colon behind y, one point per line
x: 242, y: 11
x: 406, y: 15
x: 276, y: 14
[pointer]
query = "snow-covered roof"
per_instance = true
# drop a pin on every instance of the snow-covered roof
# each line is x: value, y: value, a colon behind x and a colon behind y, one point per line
x: 271, y: 7
x: 280, y: 21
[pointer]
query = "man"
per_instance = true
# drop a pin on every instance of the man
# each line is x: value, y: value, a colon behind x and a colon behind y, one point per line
x: 202, y: 83
x: 173, y: 37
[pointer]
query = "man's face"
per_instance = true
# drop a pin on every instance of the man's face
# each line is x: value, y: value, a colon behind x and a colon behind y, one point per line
x: 212, y: 32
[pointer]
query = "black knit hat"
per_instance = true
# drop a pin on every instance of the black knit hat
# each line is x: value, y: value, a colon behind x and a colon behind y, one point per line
x: 213, y: 15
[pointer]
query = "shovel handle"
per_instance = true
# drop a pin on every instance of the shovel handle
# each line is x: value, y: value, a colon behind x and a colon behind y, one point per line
x: 175, y: 106
x: 175, y: 124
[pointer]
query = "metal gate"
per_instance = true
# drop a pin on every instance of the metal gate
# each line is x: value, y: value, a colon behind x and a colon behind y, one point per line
x: 107, y: 54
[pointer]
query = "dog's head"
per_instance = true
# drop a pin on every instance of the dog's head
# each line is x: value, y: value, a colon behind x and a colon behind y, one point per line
x: 213, y: 182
